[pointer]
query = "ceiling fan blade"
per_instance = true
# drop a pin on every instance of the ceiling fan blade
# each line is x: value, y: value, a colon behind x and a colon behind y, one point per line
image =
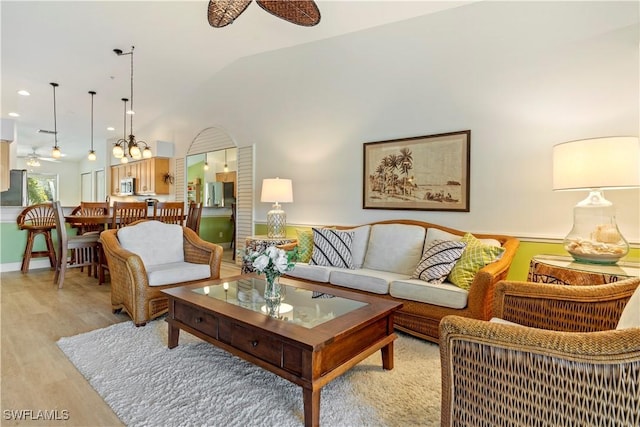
x: 223, y: 12
x: 300, y: 12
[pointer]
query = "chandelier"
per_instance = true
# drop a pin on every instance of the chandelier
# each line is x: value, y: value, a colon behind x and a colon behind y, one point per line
x: 129, y: 145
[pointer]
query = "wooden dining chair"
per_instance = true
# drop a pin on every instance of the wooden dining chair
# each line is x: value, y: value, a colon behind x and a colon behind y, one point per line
x: 169, y: 212
x: 193, y: 216
x: 84, y: 248
x: 92, y: 209
x: 125, y: 213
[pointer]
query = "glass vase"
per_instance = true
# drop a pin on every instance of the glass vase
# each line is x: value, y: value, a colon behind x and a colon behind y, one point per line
x: 272, y: 296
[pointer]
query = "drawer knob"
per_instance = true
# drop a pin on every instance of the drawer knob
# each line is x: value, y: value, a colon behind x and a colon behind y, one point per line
x: 198, y: 319
x: 254, y: 343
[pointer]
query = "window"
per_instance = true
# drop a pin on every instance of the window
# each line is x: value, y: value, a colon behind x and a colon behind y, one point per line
x: 42, y: 187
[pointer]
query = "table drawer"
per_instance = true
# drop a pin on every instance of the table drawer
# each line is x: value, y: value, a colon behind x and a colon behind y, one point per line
x: 257, y: 344
x: 197, y: 319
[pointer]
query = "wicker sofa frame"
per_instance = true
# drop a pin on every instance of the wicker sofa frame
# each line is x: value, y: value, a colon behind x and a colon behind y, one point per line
x: 130, y: 290
x: 569, y: 366
x: 422, y: 319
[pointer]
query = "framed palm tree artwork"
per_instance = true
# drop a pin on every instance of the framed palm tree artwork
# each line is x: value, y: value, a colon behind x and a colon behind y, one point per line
x: 429, y: 173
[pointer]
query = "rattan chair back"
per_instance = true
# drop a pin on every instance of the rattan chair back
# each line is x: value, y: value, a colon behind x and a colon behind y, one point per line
x: 169, y: 212
x: 193, y: 216
x: 124, y: 213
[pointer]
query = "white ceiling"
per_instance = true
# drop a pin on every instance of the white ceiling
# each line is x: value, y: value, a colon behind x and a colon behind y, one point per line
x: 72, y: 42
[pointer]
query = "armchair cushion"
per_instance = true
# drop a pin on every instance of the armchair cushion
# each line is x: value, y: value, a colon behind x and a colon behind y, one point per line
x: 155, y: 242
x: 176, y: 272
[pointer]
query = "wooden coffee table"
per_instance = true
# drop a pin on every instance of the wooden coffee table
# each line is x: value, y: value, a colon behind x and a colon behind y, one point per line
x: 314, y: 339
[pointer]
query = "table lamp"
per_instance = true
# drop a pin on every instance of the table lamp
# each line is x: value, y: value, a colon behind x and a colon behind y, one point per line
x: 594, y: 165
x: 276, y: 191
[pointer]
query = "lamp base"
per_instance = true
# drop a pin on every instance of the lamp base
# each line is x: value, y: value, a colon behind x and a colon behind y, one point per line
x: 276, y: 223
x: 595, y: 238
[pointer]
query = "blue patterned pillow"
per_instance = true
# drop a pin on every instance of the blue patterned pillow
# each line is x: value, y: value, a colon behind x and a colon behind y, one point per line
x: 438, y: 259
x: 332, y: 248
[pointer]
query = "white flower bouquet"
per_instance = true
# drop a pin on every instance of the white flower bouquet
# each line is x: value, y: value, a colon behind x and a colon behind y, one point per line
x: 272, y: 262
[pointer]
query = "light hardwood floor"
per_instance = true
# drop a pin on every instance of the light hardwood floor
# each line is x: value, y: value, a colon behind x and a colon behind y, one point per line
x: 36, y: 375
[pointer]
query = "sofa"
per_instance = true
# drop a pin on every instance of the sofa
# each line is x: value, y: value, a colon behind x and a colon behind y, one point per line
x: 388, y: 258
x: 148, y: 256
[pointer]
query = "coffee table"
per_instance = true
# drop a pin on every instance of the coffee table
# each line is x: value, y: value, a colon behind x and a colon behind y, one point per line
x: 319, y: 333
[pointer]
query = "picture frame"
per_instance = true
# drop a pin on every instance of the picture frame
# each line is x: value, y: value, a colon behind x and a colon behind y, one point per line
x: 428, y: 173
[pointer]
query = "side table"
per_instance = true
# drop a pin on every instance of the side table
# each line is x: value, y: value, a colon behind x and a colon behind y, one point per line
x: 563, y: 270
x: 259, y: 244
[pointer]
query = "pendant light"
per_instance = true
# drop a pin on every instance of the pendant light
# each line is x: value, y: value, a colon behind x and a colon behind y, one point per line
x: 226, y: 166
x: 55, y: 153
x: 132, y: 146
x: 92, y: 153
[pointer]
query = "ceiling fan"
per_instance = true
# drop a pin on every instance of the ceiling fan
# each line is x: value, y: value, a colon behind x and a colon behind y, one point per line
x: 33, y: 159
x: 301, y: 12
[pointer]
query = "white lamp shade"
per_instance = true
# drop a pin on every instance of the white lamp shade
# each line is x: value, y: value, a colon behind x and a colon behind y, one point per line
x: 276, y: 190
x: 612, y: 162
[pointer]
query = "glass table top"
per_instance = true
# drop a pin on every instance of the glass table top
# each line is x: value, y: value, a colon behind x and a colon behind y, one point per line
x: 299, y: 306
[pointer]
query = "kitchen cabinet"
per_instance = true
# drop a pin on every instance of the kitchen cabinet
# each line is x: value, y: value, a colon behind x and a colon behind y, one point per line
x: 148, y: 173
x: 194, y: 191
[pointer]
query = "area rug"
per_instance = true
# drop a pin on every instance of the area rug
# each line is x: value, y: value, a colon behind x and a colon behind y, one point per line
x: 197, y: 384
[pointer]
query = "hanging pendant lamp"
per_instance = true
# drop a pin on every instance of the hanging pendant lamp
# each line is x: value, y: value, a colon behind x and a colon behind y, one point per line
x: 56, y: 153
x: 92, y: 153
x: 132, y: 146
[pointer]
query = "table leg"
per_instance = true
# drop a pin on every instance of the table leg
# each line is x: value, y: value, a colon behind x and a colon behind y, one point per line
x: 174, y: 334
x: 311, y: 401
x: 387, y: 356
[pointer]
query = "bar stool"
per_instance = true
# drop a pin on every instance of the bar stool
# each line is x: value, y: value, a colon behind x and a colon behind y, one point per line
x: 37, y: 219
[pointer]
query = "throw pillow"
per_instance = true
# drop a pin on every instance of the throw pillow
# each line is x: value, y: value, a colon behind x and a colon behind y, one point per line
x: 332, y: 248
x: 438, y: 259
x: 630, y: 317
x: 305, y: 244
x: 475, y: 256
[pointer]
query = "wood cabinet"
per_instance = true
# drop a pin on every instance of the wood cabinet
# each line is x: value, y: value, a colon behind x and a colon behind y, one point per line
x: 149, y: 175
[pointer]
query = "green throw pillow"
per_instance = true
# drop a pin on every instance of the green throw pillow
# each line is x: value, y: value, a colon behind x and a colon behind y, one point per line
x: 475, y: 256
x: 305, y: 244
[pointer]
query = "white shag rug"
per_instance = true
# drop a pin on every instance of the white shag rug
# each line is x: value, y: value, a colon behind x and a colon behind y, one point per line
x: 197, y: 384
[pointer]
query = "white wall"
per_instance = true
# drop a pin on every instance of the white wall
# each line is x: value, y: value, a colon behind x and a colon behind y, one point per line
x: 521, y: 76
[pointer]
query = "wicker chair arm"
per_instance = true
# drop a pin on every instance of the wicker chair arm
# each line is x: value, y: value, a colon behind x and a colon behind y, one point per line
x: 288, y: 246
x: 200, y: 251
x: 563, y: 308
x: 481, y: 291
x: 510, y: 374
x: 125, y: 267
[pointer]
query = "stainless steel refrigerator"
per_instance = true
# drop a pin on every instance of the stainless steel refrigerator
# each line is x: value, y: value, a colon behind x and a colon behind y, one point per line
x: 16, y: 195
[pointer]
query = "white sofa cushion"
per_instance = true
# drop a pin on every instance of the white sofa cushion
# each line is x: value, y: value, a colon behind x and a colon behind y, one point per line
x: 437, y: 234
x: 359, y: 245
x: 630, y: 317
x: 332, y: 248
x: 317, y: 273
x: 176, y: 272
x: 443, y: 294
x: 154, y: 241
x: 374, y: 281
x: 395, y: 248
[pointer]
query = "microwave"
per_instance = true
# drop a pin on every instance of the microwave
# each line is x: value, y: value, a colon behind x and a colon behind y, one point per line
x: 127, y: 186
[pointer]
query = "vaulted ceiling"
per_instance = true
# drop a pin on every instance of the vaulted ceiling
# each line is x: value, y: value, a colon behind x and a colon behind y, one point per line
x: 176, y: 50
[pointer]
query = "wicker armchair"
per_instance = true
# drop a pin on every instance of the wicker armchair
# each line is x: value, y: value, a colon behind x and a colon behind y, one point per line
x: 567, y: 367
x: 130, y: 282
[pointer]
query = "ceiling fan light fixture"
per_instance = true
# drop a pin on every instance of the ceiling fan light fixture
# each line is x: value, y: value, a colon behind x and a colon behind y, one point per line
x: 299, y: 12
x: 221, y: 13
